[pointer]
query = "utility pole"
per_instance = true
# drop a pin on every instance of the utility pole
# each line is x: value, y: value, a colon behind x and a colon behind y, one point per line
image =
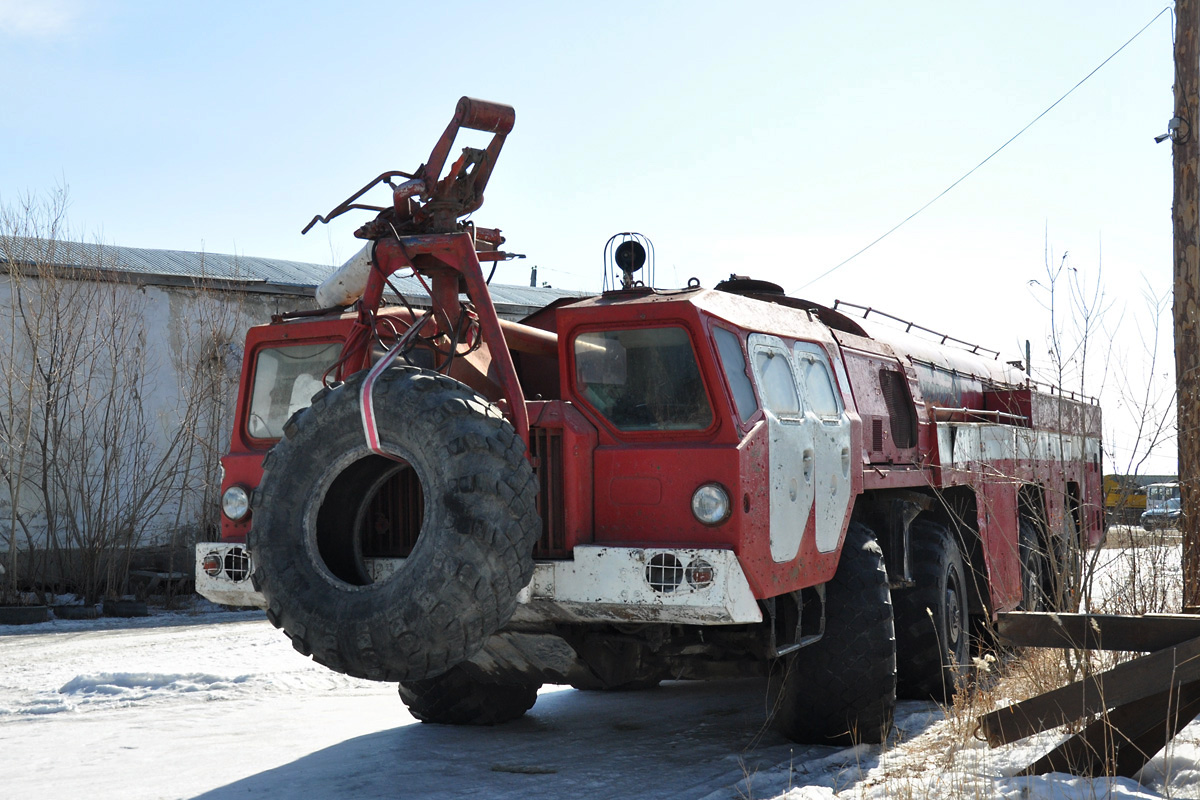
x: 1184, y: 217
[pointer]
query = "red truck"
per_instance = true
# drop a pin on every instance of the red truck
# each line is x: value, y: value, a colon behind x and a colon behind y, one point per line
x: 638, y: 486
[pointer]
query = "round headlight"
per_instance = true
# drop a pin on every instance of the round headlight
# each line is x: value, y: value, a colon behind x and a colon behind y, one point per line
x: 235, y: 503
x: 710, y: 504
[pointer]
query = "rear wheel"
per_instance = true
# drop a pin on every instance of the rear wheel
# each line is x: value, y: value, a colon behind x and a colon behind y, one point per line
x: 932, y: 632
x: 457, y: 697
x: 842, y: 689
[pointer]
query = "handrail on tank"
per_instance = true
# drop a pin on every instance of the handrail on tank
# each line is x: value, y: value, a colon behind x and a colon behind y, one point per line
x: 909, y: 326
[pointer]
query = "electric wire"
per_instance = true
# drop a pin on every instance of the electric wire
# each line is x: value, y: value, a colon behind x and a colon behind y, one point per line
x: 994, y: 153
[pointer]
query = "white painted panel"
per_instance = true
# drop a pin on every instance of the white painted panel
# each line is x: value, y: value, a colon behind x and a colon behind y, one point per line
x: 831, y: 442
x: 829, y: 427
x: 961, y: 444
x: 966, y: 444
x: 996, y: 442
x: 793, y: 484
x: 790, y: 452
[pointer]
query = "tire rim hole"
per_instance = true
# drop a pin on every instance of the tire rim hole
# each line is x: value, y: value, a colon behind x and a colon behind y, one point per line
x: 369, y: 520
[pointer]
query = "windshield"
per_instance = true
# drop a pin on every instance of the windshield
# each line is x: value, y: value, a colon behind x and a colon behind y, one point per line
x: 645, y: 379
x: 285, y: 379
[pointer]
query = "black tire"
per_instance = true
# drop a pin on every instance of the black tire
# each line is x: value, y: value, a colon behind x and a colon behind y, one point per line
x: 458, y: 698
x: 933, y: 642
x: 76, y: 612
x: 842, y: 689
x: 24, y: 615
x: 1035, y: 569
x: 473, y: 518
x: 125, y: 608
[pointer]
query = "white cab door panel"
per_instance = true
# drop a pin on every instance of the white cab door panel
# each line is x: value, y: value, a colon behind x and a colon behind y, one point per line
x: 790, y: 448
x: 826, y: 419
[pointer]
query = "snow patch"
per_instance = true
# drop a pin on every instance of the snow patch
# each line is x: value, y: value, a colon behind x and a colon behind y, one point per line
x: 120, y: 689
x: 126, y: 684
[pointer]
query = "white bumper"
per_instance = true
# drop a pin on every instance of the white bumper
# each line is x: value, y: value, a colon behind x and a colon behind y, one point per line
x: 231, y: 585
x: 601, y: 584
x: 626, y: 584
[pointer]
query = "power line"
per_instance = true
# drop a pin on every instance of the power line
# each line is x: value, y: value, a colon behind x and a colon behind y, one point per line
x: 995, y: 152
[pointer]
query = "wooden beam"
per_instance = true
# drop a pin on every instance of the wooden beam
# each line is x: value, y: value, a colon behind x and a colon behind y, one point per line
x: 1122, y: 741
x: 1144, y: 634
x: 1124, y: 683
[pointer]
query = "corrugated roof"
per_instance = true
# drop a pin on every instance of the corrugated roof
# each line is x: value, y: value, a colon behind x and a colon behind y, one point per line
x: 221, y: 266
x: 175, y: 263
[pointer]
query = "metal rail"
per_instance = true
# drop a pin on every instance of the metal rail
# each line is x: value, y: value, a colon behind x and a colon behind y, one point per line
x: 910, y: 326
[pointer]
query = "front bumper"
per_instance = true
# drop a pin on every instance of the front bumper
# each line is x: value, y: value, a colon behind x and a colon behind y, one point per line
x: 230, y: 583
x: 688, y: 586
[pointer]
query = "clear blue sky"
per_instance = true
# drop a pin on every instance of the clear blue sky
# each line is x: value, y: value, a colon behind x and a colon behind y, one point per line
x: 775, y: 139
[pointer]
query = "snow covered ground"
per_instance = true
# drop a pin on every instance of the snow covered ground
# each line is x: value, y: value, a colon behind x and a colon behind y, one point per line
x: 216, y: 704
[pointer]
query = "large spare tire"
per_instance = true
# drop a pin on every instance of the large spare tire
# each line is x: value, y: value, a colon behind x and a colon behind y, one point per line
x: 330, y: 518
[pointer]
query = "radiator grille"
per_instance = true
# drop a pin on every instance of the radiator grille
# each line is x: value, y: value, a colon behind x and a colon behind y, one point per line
x: 546, y: 445
x: 900, y: 408
x: 394, y: 515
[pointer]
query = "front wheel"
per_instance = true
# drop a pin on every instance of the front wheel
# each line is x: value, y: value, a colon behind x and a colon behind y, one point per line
x: 842, y: 689
x: 457, y: 697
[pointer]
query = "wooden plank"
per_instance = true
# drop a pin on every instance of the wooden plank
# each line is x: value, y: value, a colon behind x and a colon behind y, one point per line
x: 1122, y: 741
x: 1124, y: 683
x: 1097, y: 631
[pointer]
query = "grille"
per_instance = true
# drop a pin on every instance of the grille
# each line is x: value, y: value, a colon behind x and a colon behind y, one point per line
x: 237, y: 564
x: 876, y: 435
x: 546, y: 445
x: 900, y: 408
x: 664, y: 572
x: 394, y: 516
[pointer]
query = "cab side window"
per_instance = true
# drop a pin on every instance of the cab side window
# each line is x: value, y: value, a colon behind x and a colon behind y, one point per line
x: 775, y: 378
x: 818, y: 386
x: 733, y: 361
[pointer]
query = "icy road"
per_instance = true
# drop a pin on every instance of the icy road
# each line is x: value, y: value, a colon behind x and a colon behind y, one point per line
x: 218, y: 705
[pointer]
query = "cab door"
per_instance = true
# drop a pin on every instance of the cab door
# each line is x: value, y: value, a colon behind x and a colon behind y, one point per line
x: 829, y: 433
x: 790, y: 445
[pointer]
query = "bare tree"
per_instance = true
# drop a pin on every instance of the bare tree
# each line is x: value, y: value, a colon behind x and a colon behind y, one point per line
x: 207, y: 362
x: 109, y: 437
x: 1139, y: 416
x: 21, y: 408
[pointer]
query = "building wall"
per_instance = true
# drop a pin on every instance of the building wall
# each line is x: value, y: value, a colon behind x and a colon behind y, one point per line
x: 179, y: 381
